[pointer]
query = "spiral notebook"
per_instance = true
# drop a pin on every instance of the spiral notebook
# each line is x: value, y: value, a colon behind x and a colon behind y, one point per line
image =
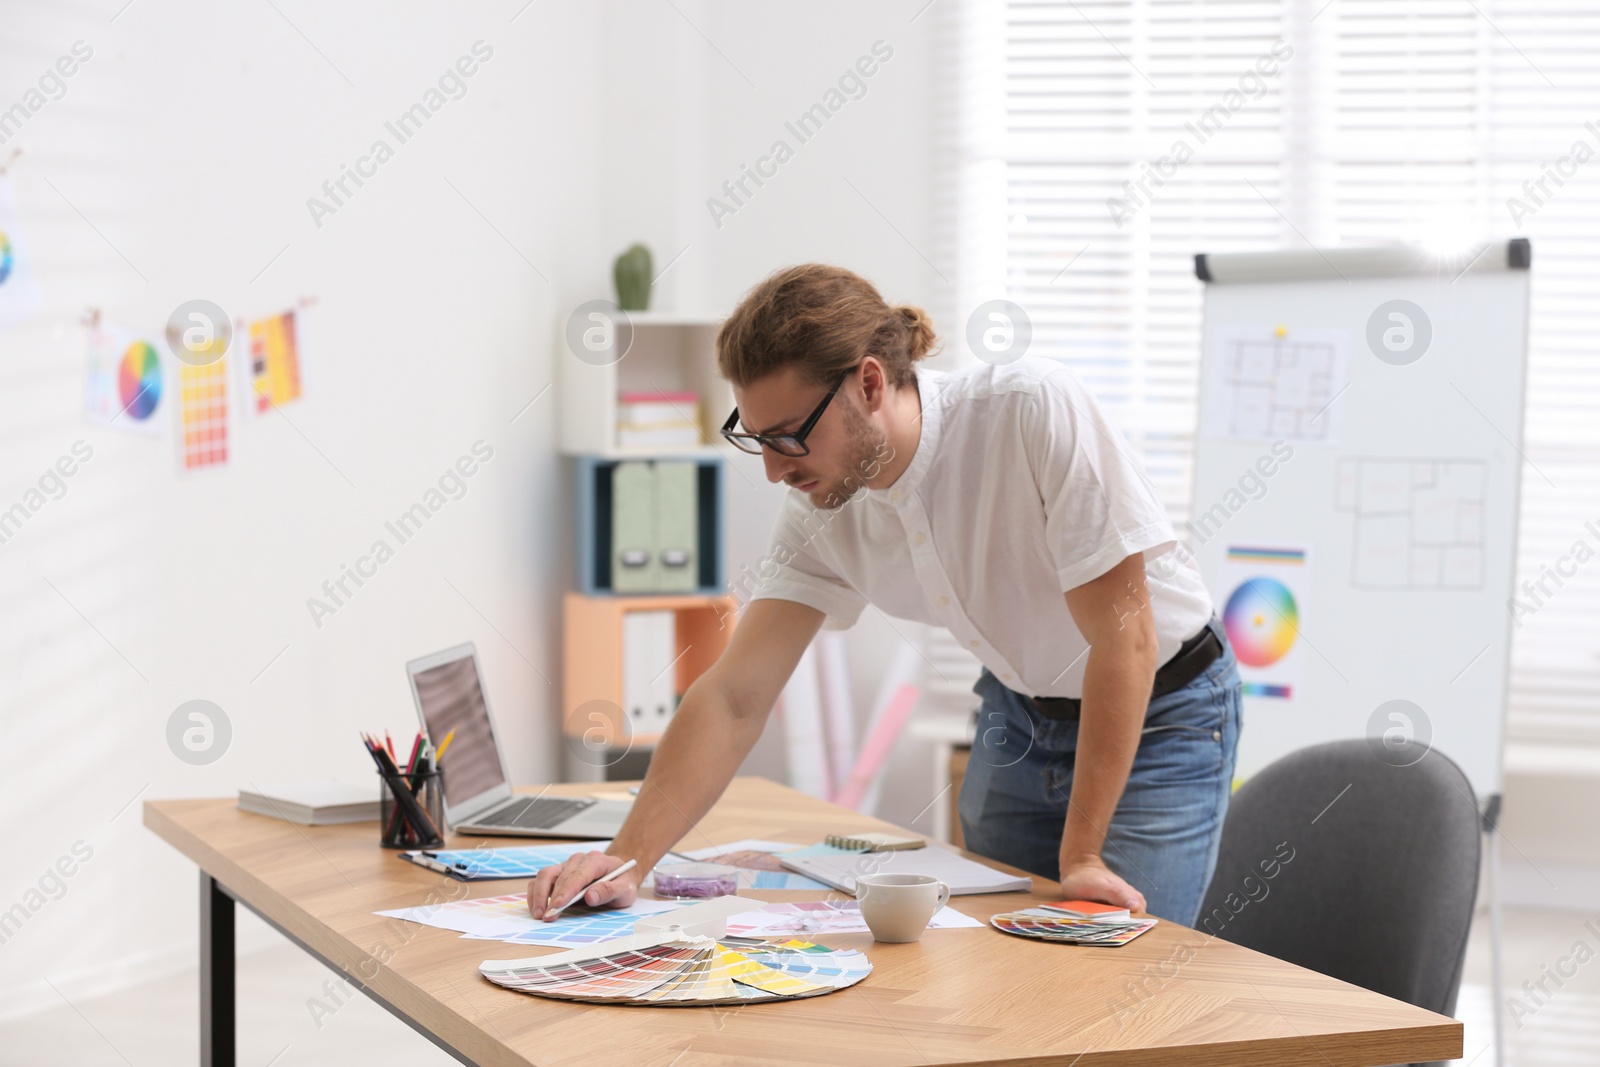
x: 839, y: 868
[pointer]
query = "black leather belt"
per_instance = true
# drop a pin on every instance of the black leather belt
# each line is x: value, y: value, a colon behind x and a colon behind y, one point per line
x: 1192, y: 657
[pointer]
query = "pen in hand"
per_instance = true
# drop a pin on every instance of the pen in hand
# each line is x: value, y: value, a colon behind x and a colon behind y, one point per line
x: 550, y: 913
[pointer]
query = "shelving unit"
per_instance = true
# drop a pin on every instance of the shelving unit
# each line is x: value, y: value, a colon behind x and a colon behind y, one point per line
x: 666, y: 352
x: 599, y: 732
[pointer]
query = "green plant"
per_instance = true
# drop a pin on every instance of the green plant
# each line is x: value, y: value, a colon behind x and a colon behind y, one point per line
x: 632, y: 275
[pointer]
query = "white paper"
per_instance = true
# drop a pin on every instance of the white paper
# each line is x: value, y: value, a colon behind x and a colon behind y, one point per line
x: 839, y: 869
x: 1419, y: 523
x: 757, y: 871
x: 825, y: 917
x: 1267, y: 384
x: 1264, y: 609
x: 19, y: 295
x: 116, y: 393
x: 505, y: 916
x: 749, y: 844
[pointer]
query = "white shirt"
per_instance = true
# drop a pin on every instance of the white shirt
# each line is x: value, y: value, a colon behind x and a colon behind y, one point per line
x: 1019, y: 490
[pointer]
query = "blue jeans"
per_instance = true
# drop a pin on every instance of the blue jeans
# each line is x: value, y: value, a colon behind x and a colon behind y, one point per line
x: 1163, y: 837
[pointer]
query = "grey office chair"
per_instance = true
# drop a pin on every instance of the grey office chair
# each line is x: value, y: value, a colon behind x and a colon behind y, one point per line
x: 1379, y: 887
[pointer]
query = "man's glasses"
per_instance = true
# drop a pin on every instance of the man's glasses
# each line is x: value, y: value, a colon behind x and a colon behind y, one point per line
x: 785, y: 444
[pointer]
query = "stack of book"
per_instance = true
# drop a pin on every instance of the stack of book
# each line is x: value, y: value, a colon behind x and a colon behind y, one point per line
x: 655, y: 419
x: 312, y: 803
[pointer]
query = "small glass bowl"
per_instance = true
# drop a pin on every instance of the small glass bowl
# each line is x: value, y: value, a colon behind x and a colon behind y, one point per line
x: 695, y: 881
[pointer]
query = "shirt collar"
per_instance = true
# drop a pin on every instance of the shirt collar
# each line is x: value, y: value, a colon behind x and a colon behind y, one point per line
x: 929, y: 384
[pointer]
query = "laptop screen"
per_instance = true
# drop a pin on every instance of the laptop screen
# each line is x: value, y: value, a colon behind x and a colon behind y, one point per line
x: 451, y: 697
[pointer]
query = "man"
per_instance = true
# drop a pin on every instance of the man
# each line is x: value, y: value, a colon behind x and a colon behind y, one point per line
x: 1000, y: 503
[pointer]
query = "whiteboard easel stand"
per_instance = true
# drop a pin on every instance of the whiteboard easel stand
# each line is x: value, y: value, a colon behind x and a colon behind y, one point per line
x: 1399, y: 261
x: 1491, y: 816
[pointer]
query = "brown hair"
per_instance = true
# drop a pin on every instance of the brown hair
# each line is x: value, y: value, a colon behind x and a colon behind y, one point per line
x: 822, y: 320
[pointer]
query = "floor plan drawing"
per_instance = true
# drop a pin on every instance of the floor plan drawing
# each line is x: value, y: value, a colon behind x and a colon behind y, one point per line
x: 1419, y: 522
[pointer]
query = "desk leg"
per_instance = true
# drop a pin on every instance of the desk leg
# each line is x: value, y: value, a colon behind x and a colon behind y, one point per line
x: 218, y: 1046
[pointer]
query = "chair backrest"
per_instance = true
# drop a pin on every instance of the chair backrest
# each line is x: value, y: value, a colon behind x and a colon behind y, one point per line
x: 1358, y: 863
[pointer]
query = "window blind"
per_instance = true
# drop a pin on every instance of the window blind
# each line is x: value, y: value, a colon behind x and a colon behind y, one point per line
x: 1113, y: 135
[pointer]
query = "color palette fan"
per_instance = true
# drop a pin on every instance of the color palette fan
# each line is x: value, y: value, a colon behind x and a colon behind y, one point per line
x: 671, y: 968
x: 1045, y: 925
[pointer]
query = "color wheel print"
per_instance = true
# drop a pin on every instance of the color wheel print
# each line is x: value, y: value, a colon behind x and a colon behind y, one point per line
x: 139, y: 380
x: 1262, y: 621
x: 5, y: 257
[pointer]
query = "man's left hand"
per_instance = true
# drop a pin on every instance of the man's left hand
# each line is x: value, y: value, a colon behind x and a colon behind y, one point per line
x: 1092, y: 880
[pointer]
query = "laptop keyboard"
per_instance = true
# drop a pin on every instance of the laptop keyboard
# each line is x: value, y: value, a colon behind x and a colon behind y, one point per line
x: 535, y: 813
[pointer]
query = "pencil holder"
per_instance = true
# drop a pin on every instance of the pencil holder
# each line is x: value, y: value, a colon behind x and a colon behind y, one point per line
x: 411, y: 809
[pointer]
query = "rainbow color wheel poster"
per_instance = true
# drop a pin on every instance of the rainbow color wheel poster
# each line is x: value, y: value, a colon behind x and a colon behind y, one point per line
x: 139, y: 381
x: 1263, y: 613
x: 1262, y: 621
x: 127, y: 385
x: 19, y: 297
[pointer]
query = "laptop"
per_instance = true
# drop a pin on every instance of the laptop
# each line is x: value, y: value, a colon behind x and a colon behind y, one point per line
x: 448, y: 689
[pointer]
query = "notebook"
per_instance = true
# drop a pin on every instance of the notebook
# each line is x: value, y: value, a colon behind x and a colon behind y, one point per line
x: 839, y: 868
x: 872, y: 842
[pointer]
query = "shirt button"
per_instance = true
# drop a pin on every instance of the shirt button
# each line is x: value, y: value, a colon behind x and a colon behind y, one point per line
x: 920, y: 538
x: 1007, y: 676
x: 1216, y: 735
x: 972, y: 644
x: 944, y: 600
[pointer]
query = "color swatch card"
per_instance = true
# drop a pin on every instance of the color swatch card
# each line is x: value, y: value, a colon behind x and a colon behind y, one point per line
x: 825, y: 917
x: 203, y: 413
x: 274, y: 367
x: 1045, y: 925
x: 1087, y: 909
x: 506, y: 918
x: 581, y: 925
x: 488, y: 864
x: 676, y: 969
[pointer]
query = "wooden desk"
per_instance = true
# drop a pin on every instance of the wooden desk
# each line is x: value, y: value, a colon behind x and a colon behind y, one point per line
x: 956, y: 997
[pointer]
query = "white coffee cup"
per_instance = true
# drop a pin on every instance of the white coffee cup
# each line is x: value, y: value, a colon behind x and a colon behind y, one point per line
x: 897, y: 907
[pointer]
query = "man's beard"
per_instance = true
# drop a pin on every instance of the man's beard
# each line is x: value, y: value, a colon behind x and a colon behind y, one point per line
x: 866, y: 445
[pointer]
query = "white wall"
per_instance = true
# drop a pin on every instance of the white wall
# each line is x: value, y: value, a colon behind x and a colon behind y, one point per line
x: 190, y: 142
x: 860, y: 192
x: 177, y: 165
x: 683, y: 121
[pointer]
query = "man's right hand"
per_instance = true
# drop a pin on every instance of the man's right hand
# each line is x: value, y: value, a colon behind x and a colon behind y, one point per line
x: 554, y: 887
